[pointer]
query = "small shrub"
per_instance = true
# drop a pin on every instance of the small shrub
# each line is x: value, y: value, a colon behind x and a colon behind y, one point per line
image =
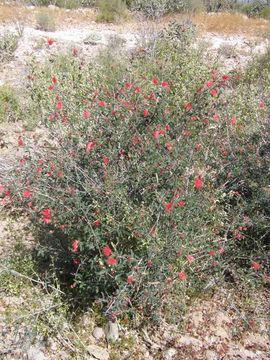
x: 151, y: 8
x: 227, y: 51
x: 45, y: 21
x: 253, y: 9
x: 265, y: 13
x: 68, y: 4
x: 8, y: 44
x: 9, y: 105
x: 111, y: 10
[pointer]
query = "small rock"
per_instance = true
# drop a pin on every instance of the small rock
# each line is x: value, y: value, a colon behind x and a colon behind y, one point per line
x: 197, y: 318
x: 98, y: 352
x: 98, y: 333
x: 34, y: 353
x: 210, y: 355
x: 111, y: 331
x: 169, y: 354
x: 189, y: 341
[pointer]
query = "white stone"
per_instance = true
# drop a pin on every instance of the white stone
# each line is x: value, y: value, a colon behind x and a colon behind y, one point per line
x: 34, y: 353
x: 98, y: 352
x: 169, y: 354
x: 111, y: 331
x: 98, y: 333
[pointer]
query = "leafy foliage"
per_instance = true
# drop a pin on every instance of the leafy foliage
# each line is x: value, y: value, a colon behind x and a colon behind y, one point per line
x: 8, y: 44
x: 10, y: 109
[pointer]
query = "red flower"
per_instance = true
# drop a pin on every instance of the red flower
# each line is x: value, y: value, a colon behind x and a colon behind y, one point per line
x: 255, y: 265
x: 47, y: 216
x: 51, y: 87
x: 198, y: 147
x: 225, y: 77
x: 76, y: 261
x: 261, y: 104
x: 214, y: 92
x: 27, y: 194
x: 209, y: 84
x: 54, y: 79
x: 75, y: 245
x: 50, y: 41
x: 216, y: 116
x: 221, y: 251
x: 182, y: 276
x: 146, y: 113
x: 190, y: 258
x: 168, y: 207
x: 20, y: 141
x: 181, y: 203
x: 97, y: 223
x: 106, y: 251
x: 198, y: 183
x: 128, y: 85
x: 130, y: 279
x: 59, y: 105
x: 90, y: 146
x: 168, y: 127
x: 101, y: 103
x: 155, y: 81
x: 188, y: 106
x: 39, y: 170
x: 157, y: 133
x: 111, y: 261
x: 212, y: 252
x: 106, y: 160
x: 136, y: 140
x: 165, y: 84
x: 138, y: 90
x: 233, y: 120
x: 169, y: 146
x: 86, y: 114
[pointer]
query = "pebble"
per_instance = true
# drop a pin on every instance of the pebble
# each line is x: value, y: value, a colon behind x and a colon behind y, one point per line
x: 98, y: 352
x: 169, y: 354
x: 98, y: 333
x: 111, y: 331
x: 34, y: 353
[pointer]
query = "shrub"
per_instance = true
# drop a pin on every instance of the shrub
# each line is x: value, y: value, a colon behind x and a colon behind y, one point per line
x: 219, y: 5
x: 254, y: 8
x: 151, y: 8
x: 8, y: 44
x: 68, y: 4
x: 9, y: 104
x: 265, y: 13
x: 144, y: 189
x: 45, y: 21
x: 111, y: 10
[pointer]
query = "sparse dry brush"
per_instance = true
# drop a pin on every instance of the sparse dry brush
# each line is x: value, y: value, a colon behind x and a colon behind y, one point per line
x: 153, y: 181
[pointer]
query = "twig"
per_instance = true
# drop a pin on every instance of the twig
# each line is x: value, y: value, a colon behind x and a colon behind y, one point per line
x: 16, y: 273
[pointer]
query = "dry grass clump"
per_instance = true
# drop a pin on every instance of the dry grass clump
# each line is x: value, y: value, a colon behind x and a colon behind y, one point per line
x: 232, y: 23
x: 11, y: 13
